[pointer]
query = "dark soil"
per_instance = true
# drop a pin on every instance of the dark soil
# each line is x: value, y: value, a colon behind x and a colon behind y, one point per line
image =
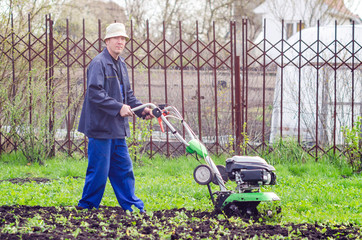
x: 26, y: 180
x: 35, y: 222
x: 29, y: 179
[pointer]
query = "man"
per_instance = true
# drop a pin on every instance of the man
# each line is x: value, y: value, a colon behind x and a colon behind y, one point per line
x: 107, y: 104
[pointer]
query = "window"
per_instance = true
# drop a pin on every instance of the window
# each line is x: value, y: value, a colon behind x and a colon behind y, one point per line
x: 289, y: 30
x: 293, y: 27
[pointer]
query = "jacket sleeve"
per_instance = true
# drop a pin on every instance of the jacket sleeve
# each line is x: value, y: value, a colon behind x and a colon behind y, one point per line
x: 96, y: 92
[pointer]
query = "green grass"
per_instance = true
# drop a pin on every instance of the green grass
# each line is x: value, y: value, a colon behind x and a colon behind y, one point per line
x: 325, y: 191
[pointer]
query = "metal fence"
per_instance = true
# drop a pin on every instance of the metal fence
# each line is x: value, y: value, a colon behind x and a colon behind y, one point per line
x: 307, y: 87
x: 303, y: 87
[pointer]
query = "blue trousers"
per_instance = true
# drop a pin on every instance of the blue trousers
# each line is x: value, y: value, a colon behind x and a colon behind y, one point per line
x: 109, y: 158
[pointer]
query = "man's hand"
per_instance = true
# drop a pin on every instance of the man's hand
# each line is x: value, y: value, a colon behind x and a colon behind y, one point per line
x: 126, y: 111
x: 147, y: 113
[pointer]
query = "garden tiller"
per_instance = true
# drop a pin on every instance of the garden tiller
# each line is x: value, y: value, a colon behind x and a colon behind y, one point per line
x: 249, y: 173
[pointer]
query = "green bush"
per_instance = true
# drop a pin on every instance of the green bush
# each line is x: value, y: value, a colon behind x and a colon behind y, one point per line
x: 27, y: 115
x: 353, y: 144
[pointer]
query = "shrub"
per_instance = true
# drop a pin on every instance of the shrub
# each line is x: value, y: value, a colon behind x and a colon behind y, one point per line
x: 353, y: 143
x: 28, y: 121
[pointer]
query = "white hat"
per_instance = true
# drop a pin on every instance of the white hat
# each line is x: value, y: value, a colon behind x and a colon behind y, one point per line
x: 116, y: 30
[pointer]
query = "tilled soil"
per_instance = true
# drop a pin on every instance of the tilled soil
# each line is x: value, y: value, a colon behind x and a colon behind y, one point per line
x: 35, y: 222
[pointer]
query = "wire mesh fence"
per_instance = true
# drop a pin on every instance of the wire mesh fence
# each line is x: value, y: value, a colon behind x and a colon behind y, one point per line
x: 306, y: 87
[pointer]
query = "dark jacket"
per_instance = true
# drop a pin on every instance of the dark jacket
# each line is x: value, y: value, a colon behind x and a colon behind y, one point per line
x: 100, y: 117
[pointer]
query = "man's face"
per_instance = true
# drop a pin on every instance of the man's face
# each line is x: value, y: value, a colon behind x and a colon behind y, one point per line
x: 115, y: 46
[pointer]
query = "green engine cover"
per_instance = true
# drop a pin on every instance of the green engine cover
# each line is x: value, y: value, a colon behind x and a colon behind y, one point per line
x: 251, y: 197
x: 196, y: 146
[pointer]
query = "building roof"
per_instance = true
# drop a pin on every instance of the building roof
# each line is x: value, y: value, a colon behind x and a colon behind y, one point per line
x: 339, y: 6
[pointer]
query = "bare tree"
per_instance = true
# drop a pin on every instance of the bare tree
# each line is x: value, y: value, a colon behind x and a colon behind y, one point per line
x: 14, y: 18
x: 20, y: 9
x: 136, y: 11
x: 168, y: 14
x: 91, y: 11
x: 310, y: 11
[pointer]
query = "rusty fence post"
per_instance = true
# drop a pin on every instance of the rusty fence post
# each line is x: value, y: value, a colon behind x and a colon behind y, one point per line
x: 238, y: 129
x: 50, y: 86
